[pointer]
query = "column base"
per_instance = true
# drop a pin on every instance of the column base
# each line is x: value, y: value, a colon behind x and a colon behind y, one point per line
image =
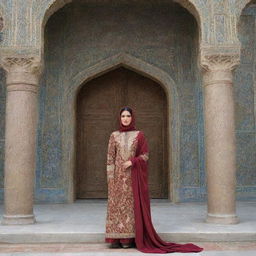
x: 18, y: 219
x: 222, y: 219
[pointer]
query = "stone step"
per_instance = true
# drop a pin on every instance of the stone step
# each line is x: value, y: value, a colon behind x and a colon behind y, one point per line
x: 211, y: 253
x: 74, y: 237
x: 84, y: 222
x: 98, y: 249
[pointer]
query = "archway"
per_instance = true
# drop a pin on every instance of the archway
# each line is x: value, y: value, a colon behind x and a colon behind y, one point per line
x: 69, y: 115
x: 102, y: 46
x: 244, y: 95
x: 55, y: 5
x: 243, y: 4
x: 97, y: 107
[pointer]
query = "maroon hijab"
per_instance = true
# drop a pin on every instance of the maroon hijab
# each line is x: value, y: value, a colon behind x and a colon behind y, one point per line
x: 131, y: 126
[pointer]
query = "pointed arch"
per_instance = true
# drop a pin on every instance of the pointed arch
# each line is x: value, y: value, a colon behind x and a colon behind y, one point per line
x: 104, y: 66
x: 55, y: 5
x: 241, y: 5
x: 193, y: 9
x: 240, y: 8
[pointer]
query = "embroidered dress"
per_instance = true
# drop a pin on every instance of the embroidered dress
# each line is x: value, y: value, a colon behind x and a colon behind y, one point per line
x: 128, y: 210
x: 120, y: 221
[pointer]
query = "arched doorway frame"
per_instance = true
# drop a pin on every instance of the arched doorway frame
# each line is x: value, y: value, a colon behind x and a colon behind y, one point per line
x: 243, y: 5
x: 55, y: 5
x: 69, y: 116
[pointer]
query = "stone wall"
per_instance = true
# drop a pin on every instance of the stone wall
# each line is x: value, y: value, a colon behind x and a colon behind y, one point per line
x: 244, y: 88
x: 163, y: 35
x: 70, y: 48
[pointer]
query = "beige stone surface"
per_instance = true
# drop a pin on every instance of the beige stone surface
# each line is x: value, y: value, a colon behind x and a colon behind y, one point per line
x: 84, y: 222
x: 21, y: 120
x: 217, y: 25
x: 220, y: 139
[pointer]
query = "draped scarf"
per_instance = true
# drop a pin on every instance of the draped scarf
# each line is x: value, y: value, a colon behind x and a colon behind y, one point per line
x: 146, y: 238
x: 130, y: 127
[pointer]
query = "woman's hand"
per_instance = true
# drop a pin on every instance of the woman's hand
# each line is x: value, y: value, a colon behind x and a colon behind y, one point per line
x: 127, y: 164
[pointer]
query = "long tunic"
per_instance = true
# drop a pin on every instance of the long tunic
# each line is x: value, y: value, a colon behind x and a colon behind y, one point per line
x: 129, y: 201
x: 120, y: 221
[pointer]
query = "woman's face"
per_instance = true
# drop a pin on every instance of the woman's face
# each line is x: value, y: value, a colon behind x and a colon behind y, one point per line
x: 126, y: 118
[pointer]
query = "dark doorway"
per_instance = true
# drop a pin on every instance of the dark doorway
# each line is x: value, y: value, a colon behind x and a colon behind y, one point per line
x: 98, y: 104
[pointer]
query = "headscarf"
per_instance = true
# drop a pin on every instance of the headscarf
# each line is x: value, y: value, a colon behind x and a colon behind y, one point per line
x: 131, y: 126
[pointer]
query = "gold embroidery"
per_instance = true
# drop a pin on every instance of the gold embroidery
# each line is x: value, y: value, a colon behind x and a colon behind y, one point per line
x: 119, y: 235
x: 120, y: 221
x: 111, y: 157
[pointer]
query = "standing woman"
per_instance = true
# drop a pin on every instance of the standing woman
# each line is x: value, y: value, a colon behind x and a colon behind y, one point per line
x: 128, y: 220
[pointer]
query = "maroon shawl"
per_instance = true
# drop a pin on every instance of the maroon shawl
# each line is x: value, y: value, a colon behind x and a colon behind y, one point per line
x: 146, y: 238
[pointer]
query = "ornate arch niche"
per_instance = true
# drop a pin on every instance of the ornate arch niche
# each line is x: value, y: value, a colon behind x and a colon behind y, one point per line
x: 129, y: 62
x: 58, y: 4
x: 69, y: 115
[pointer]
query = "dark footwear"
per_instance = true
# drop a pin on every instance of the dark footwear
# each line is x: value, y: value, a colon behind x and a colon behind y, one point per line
x: 115, y: 245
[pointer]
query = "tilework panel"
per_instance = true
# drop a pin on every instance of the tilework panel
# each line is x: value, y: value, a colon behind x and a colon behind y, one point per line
x: 2, y: 126
x: 246, y: 159
x: 244, y: 93
x: 220, y: 28
x: 49, y: 176
x: 244, y: 100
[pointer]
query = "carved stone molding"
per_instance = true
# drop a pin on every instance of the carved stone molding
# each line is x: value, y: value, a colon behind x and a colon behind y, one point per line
x: 22, y: 70
x: 22, y: 64
x: 218, y: 65
x: 220, y: 62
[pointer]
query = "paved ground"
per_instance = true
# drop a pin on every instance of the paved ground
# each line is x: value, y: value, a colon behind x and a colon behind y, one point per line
x: 78, y: 229
x: 84, y: 222
x: 210, y: 249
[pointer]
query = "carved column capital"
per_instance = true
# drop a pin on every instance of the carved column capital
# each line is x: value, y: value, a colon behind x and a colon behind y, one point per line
x: 218, y: 68
x: 23, y: 73
x: 220, y: 62
x: 22, y: 64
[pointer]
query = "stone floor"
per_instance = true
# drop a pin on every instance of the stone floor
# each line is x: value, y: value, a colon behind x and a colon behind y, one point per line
x: 210, y: 249
x: 78, y: 229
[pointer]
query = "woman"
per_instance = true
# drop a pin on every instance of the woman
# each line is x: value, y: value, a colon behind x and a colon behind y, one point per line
x: 128, y: 212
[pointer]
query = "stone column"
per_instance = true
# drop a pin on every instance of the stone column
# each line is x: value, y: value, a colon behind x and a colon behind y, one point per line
x: 220, y: 137
x: 20, y: 137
